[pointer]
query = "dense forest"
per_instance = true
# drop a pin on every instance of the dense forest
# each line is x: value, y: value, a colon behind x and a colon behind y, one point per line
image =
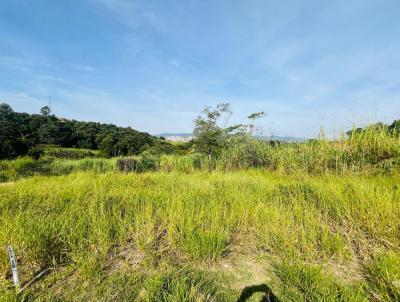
x: 21, y: 133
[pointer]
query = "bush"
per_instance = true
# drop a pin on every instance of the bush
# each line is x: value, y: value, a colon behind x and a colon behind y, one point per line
x: 148, y: 162
x: 23, y: 167
x: 3, y: 176
x: 127, y: 165
x: 26, y: 167
x: 246, y: 152
x: 35, y: 153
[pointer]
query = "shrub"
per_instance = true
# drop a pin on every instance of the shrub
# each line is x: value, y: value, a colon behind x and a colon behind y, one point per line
x: 35, y: 153
x: 25, y: 167
x: 3, y: 176
x: 148, y: 162
x: 246, y: 152
x: 127, y: 165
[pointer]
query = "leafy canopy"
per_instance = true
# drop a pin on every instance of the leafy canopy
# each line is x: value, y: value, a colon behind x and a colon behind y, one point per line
x: 212, y: 132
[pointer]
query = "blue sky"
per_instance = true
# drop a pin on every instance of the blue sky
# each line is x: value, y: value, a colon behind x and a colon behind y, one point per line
x: 154, y: 65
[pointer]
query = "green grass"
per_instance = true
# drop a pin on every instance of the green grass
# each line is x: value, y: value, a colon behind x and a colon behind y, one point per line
x: 366, y: 153
x: 315, y: 221
x: 383, y: 275
x: 369, y: 152
x: 310, y: 283
x: 69, y: 153
x: 169, y: 236
x: 24, y: 167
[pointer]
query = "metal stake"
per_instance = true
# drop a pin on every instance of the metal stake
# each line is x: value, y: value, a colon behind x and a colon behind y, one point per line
x: 13, y: 263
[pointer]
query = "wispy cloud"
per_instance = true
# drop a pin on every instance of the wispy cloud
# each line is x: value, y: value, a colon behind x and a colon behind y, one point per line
x: 20, y: 63
x: 85, y: 68
x: 131, y: 13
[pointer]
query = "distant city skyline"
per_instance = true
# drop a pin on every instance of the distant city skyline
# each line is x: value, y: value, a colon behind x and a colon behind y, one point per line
x: 154, y: 65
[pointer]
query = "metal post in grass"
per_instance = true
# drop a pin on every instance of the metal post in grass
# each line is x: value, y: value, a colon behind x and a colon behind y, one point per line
x: 13, y: 263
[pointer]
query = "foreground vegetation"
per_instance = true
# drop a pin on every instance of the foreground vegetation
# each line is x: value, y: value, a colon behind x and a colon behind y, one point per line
x: 217, y: 219
x: 366, y: 153
x: 202, y: 236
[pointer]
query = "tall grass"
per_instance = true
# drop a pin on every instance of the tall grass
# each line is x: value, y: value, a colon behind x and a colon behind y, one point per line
x: 368, y: 152
x: 69, y: 153
x: 12, y: 170
x: 322, y: 218
x: 157, y: 236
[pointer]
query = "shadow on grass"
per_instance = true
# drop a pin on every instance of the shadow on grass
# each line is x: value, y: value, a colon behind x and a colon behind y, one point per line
x: 268, y: 296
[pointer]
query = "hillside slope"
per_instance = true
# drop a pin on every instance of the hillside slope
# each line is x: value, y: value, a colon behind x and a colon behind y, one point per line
x: 19, y: 132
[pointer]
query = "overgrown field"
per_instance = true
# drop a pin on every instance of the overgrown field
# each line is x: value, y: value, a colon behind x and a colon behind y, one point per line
x: 312, y: 221
x: 366, y: 153
x: 202, y: 236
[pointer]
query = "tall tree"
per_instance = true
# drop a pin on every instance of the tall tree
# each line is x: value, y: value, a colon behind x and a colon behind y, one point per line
x: 5, y: 108
x: 253, y: 117
x: 45, y: 110
x: 211, y: 129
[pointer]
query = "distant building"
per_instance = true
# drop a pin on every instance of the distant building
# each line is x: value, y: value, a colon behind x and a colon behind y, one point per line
x: 183, y: 139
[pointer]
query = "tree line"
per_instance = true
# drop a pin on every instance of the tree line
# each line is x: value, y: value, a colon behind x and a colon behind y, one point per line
x: 20, y: 133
